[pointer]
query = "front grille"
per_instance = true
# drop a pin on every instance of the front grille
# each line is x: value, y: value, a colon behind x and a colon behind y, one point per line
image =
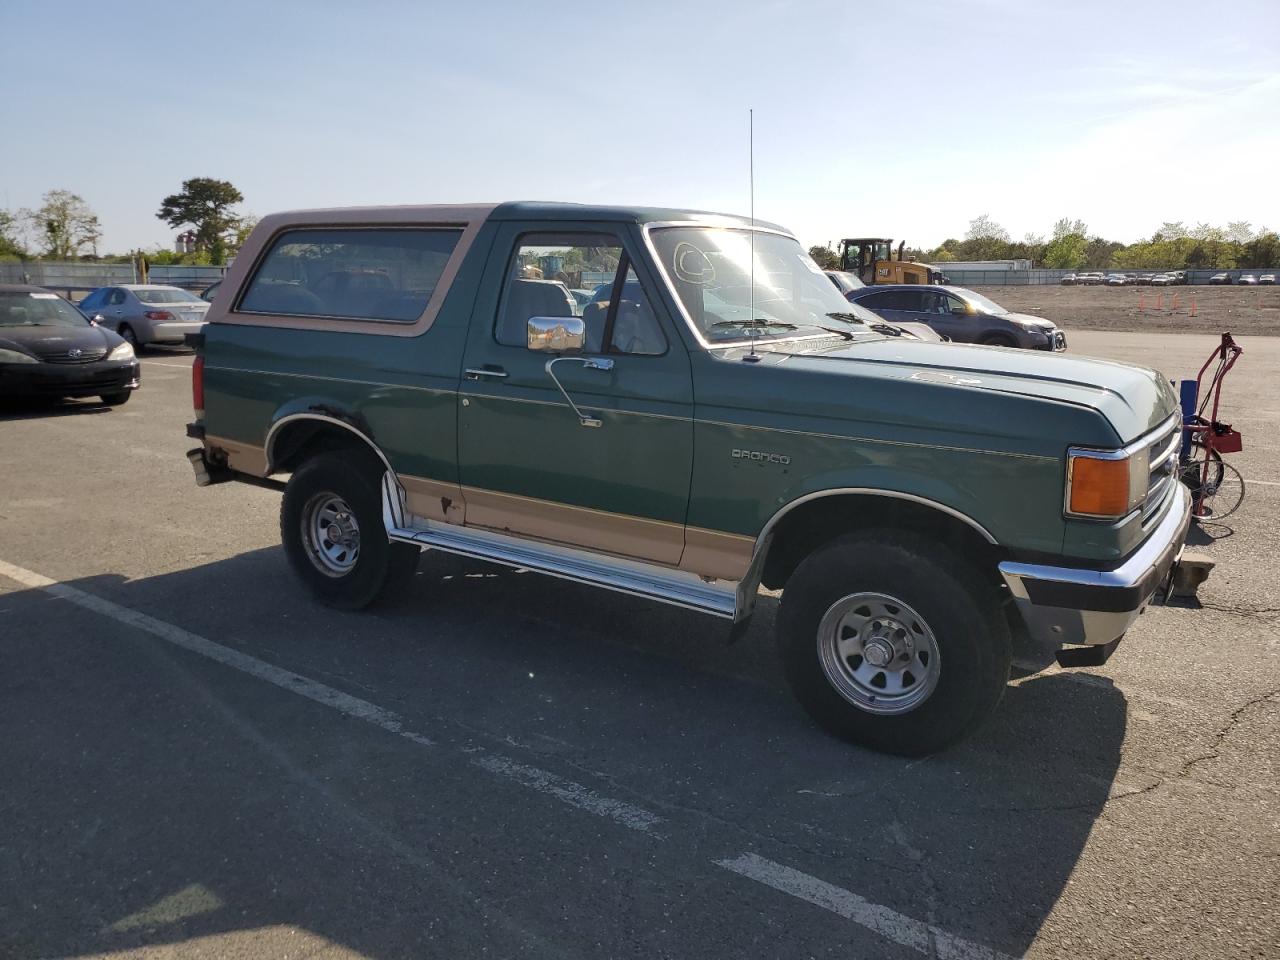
x: 87, y: 355
x: 1163, y: 458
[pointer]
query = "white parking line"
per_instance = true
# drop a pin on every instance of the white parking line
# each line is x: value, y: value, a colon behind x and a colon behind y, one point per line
x: 571, y: 793
x: 903, y: 930
x: 567, y: 791
x: 161, y: 363
x: 311, y: 689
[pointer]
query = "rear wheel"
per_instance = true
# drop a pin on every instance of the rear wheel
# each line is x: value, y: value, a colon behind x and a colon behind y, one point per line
x: 332, y: 530
x: 130, y: 337
x: 893, y: 642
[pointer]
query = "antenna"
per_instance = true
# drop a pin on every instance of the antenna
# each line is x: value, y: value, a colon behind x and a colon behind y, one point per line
x: 751, y: 190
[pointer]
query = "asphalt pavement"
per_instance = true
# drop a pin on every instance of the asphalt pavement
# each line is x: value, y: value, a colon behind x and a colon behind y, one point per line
x: 199, y: 761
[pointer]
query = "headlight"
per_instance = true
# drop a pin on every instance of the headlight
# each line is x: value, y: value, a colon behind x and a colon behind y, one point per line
x: 13, y: 356
x: 1106, y: 484
x: 122, y: 352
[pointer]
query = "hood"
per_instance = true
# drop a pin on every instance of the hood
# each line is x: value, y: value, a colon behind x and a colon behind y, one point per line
x: 44, y: 340
x: 1028, y: 320
x: 1132, y: 399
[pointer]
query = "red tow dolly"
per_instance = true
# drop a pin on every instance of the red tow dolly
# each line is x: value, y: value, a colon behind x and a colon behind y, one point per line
x: 1217, y: 488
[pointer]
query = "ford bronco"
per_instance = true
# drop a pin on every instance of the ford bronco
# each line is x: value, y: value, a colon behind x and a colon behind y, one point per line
x: 715, y: 419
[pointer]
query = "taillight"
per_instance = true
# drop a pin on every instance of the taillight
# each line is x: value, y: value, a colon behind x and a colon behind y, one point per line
x: 158, y: 315
x: 197, y: 386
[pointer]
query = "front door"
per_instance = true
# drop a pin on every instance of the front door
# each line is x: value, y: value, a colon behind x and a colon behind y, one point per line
x: 527, y: 462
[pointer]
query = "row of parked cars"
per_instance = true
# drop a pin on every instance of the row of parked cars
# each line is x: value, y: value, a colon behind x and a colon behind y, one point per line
x: 1098, y: 278
x: 1170, y: 278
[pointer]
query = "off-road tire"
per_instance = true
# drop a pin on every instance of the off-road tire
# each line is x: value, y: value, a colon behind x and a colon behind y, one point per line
x: 962, y: 610
x: 382, y: 568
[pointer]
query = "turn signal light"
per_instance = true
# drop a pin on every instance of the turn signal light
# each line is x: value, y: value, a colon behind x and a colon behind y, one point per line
x: 158, y: 315
x: 1104, y: 485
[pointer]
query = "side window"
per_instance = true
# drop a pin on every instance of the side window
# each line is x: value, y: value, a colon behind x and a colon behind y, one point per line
x: 116, y: 298
x: 91, y: 301
x: 953, y: 304
x: 577, y: 274
x: 877, y: 301
x: 361, y: 273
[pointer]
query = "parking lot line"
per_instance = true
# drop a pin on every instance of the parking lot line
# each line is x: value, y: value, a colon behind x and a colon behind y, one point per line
x: 567, y: 791
x: 161, y: 363
x: 574, y: 794
x: 896, y: 927
x: 286, y: 679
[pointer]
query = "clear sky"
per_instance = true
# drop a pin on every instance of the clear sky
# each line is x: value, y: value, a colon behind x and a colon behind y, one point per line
x: 897, y: 119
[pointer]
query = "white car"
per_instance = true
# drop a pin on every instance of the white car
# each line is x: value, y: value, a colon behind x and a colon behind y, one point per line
x: 1267, y: 278
x: 1117, y: 280
x: 1248, y: 279
x: 145, y: 313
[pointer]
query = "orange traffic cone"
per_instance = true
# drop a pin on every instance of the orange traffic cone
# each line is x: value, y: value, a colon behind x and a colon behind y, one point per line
x: 1193, y: 308
x: 1142, y: 302
x: 1173, y: 305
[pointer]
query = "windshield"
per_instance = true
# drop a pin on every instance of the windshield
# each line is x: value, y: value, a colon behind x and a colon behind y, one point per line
x: 712, y: 271
x: 167, y: 295
x: 981, y: 302
x: 38, y: 309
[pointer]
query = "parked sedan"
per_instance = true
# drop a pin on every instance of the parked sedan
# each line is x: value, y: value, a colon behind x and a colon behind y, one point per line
x: 1090, y: 279
x: 1068, y: 279
x: 1163, y: 280
x: 1116, y: 280
x: 1248, y: 279
x: 48, y: 348
x: 1220, y: 278
x: 147, y: 313
x: 1267, y: 278
x: 960, y: 315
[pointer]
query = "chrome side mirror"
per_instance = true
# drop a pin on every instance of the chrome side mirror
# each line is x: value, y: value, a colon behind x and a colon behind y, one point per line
x: 557, y: 334
x: 97, y: 319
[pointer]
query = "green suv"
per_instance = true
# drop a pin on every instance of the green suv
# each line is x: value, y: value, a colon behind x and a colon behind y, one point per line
x: 716, y: 418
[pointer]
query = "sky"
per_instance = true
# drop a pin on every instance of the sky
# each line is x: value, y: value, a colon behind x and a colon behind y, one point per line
x: 903, y: 120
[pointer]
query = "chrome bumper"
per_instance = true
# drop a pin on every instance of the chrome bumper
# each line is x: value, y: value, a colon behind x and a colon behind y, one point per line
x: 1072, y: 606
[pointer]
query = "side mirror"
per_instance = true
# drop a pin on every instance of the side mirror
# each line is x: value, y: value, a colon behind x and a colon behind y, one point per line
x: 97, y: 319
x: 960, y: 311
x: 557, y: 334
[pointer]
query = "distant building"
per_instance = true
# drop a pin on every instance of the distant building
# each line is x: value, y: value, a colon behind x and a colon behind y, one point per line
x: 185, y: 242
x: 982, y: 265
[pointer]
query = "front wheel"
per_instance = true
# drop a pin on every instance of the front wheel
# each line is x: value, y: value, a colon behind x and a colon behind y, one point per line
x: 332, y: 530
x: 892, y: 642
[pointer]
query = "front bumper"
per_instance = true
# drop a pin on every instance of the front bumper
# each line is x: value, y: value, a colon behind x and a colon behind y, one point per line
x: 68, y: 379
x: 1095, y: 607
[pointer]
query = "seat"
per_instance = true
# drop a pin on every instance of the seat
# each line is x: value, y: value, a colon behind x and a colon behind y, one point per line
x: 531, y: 298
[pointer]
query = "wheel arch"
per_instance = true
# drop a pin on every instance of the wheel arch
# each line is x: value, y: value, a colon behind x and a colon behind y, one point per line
x: 807, y: 522
x: 296, y: 436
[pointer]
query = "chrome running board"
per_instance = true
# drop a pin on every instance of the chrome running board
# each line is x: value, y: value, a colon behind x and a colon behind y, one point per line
x: 676, y: 587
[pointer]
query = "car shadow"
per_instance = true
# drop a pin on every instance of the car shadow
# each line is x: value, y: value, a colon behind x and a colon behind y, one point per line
x: 37, y: 409
x: 130, y: 796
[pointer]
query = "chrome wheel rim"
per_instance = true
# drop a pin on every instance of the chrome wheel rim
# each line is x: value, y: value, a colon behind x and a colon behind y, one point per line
x: 878, y: 653
x: 331, y: 534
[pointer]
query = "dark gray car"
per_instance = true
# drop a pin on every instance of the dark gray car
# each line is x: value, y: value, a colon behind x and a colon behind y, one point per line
x: 960, y: 315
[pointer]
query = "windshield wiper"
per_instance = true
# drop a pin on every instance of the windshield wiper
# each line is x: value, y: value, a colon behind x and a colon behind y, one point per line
x: 755, y: 323
x: 850, y: 317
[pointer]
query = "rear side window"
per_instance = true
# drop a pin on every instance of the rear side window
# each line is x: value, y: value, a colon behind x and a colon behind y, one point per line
x: 364, y: 273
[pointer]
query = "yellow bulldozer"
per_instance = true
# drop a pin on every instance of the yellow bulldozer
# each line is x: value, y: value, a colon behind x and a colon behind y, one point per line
x: 872, y: 261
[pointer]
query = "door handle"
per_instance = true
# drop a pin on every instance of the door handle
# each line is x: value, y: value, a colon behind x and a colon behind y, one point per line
x: 496, y: 373
x: 588, y: 363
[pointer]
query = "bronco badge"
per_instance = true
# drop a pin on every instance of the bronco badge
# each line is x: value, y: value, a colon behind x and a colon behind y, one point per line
x: 761, y: 457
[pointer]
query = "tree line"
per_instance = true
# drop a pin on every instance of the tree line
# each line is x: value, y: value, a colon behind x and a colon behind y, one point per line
x: 65, y: 227
x: 1071, y: 246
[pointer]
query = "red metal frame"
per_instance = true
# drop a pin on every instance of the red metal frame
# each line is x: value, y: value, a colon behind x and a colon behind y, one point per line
x: 1210, y: 433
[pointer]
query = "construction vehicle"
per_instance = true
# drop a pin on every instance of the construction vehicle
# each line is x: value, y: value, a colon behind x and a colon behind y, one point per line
x: 871, y: 260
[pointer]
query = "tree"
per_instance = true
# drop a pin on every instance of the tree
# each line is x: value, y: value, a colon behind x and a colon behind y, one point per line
x: 1206, y: 231
x: 1172, y: 230
x: 11, y: 246
x: 825, y: 257
x: 1240, y: 231
x: 244, y: 227
x: 205, y: 204
x: 64, y: 224
x: 1066, y: 252
x: 1066, y: 226
x: 982, y: 227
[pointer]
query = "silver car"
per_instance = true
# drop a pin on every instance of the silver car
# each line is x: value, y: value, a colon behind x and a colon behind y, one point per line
x: 147, y: 313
